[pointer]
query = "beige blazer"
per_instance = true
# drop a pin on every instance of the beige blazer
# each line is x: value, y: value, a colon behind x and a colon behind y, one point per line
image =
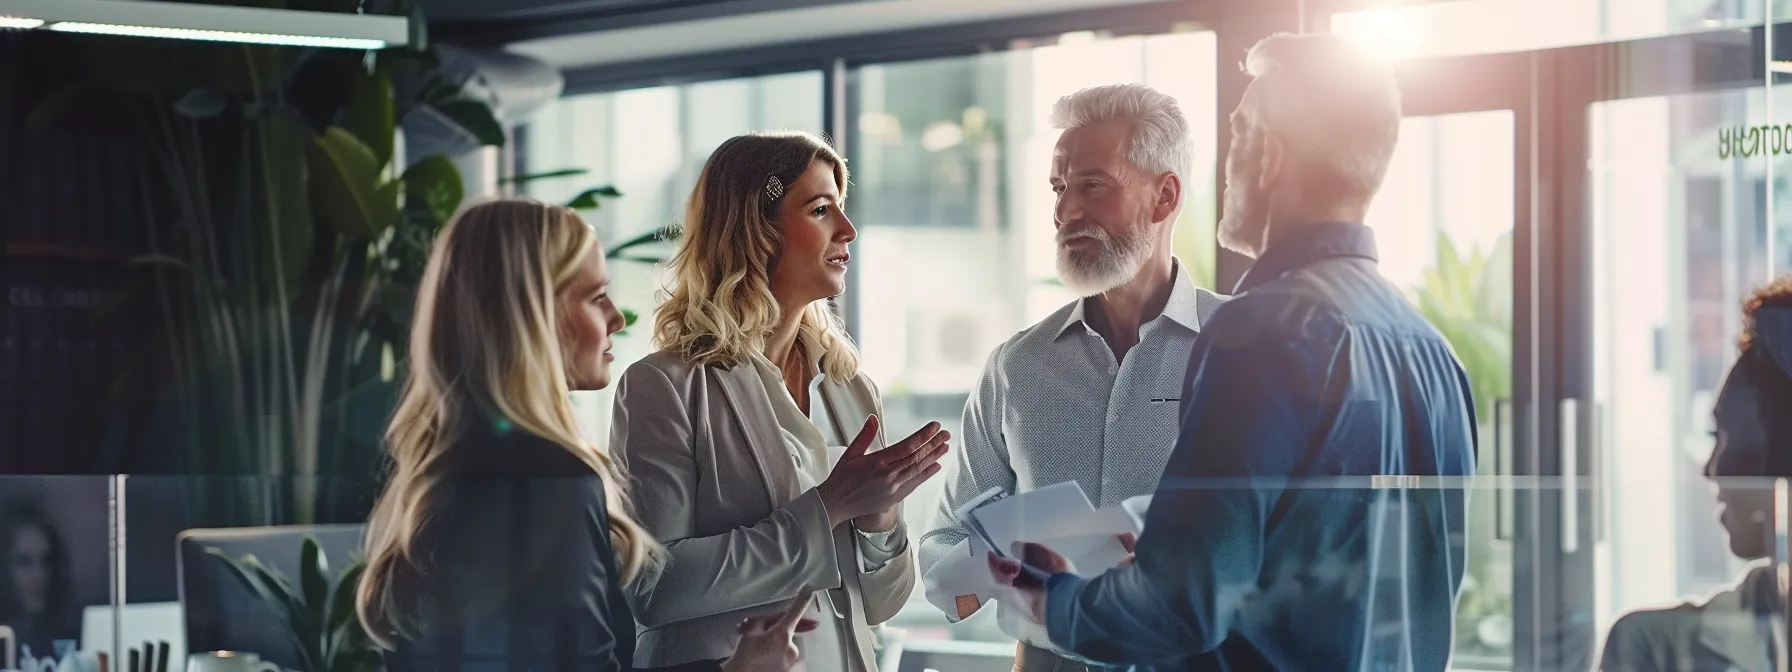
x: 712, y: 480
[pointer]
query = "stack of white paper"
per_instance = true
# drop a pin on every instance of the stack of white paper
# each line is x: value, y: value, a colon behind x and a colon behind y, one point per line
x: 1058, y: 516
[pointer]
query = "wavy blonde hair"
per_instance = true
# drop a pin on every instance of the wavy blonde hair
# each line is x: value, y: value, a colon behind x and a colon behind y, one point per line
x: 484, y: 343
x: 720, y: 306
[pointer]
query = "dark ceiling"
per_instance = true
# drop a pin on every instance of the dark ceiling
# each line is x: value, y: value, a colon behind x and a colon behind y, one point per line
x: 501, y: 21
x: 449, y: 11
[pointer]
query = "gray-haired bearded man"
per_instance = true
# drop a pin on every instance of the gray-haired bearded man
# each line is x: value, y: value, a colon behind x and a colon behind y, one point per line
x: 1089, y: 394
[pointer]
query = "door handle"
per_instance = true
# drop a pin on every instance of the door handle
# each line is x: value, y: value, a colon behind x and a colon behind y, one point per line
x: 1503, y: 481
x: 1597, y: 464
x: 1568, y: 422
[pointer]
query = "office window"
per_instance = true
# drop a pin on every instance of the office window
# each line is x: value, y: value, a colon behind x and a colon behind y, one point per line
x: 1462, y: 27
x: 651, y: 145
x: 951, y: 159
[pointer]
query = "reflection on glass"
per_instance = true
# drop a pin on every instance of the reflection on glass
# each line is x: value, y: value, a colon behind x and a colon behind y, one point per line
x: 1443, y: 223
x: 954, y: 211
x: 1464, y: 27
x: 1736, y: 622
x: 651, y: 144
x: 56, y: 547
x: 1680, y: 235
x: 179, y: 591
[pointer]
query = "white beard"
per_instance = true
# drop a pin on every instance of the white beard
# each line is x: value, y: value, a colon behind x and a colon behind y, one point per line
x: 1235, y: 221
x: 1117, y: 260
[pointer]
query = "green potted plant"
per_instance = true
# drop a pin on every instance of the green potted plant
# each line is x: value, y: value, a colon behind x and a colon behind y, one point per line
x: 289, y: 236
x: 319, y: 610
x: 1467, y: 296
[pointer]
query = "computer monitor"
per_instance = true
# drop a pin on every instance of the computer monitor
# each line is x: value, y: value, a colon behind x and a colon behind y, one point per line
x: 9, y: 652
x: 153, y: 622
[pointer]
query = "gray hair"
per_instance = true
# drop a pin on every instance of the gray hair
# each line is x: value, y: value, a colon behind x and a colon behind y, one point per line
x: 1330, y: 101
x: 1160, y: 141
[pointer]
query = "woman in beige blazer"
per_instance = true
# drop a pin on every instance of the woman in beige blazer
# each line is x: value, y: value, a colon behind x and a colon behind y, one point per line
x: 750, y: 439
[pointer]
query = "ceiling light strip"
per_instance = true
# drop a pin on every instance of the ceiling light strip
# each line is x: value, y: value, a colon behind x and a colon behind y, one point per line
x: 150, y: 18
x: 216, y: 35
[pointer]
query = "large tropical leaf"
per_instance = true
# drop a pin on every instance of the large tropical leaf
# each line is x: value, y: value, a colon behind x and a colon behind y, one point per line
x: 664, y: 234
x: 314, y: 577
x: 268, y: 592
x: 273, y: 591
x: 476, y: 118
x: 370, y: 114
x: 1458, y: 297
x: 342, y: 604
x: 1495, y: 292
x: 437, y: 182
x: 592, y: 199
x: 345, y: 186
x: 544, y: 175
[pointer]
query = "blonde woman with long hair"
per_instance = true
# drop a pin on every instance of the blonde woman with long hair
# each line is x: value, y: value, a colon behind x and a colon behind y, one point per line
x: 751, y: 439
x: 501, y: 540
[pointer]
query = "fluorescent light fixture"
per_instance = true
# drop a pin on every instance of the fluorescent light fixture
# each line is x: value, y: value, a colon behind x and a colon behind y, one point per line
x: 174, y: 20
x: 216, y: 35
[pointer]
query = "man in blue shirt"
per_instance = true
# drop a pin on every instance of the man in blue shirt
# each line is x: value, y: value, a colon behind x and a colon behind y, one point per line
x: 1311, y: 515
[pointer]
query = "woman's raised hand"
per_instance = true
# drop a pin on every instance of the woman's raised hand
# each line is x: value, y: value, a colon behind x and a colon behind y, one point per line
x: 865, y: 484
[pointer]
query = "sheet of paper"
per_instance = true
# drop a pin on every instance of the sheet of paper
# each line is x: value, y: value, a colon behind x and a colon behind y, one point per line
x: 1037, y: 515
x: 1137, y: 506
x: 1061, y: 517
x: 1096, y: 547
x: 1058, y: 516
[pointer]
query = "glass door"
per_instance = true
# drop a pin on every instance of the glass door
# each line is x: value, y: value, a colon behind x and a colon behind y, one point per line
x: 1676, y: 199
x: 1444, y: 223
x: 1454, y: 225
x: 1647, y: 180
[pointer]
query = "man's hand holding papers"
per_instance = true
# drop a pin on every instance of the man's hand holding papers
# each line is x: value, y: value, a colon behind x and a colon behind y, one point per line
x: 1058, y: 518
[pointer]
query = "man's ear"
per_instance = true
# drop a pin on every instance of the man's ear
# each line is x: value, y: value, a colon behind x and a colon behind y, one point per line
x: 1270, y: 163
x: 1169, y: 196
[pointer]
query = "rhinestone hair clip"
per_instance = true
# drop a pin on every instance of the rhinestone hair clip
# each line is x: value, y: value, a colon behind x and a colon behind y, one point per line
x: 774, y: 187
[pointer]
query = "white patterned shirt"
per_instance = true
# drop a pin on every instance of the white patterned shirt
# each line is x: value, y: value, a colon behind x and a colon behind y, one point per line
x: 1052, y: 406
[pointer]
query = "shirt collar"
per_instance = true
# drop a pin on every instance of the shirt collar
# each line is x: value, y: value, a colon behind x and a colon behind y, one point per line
x: 1310, y: 244
x: 1183, y: 306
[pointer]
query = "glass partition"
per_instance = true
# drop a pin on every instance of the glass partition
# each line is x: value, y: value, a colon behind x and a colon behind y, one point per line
x: 108, y: 565
x: 204, y: 569
x: 56, y: 544
x: 1402, y: 516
